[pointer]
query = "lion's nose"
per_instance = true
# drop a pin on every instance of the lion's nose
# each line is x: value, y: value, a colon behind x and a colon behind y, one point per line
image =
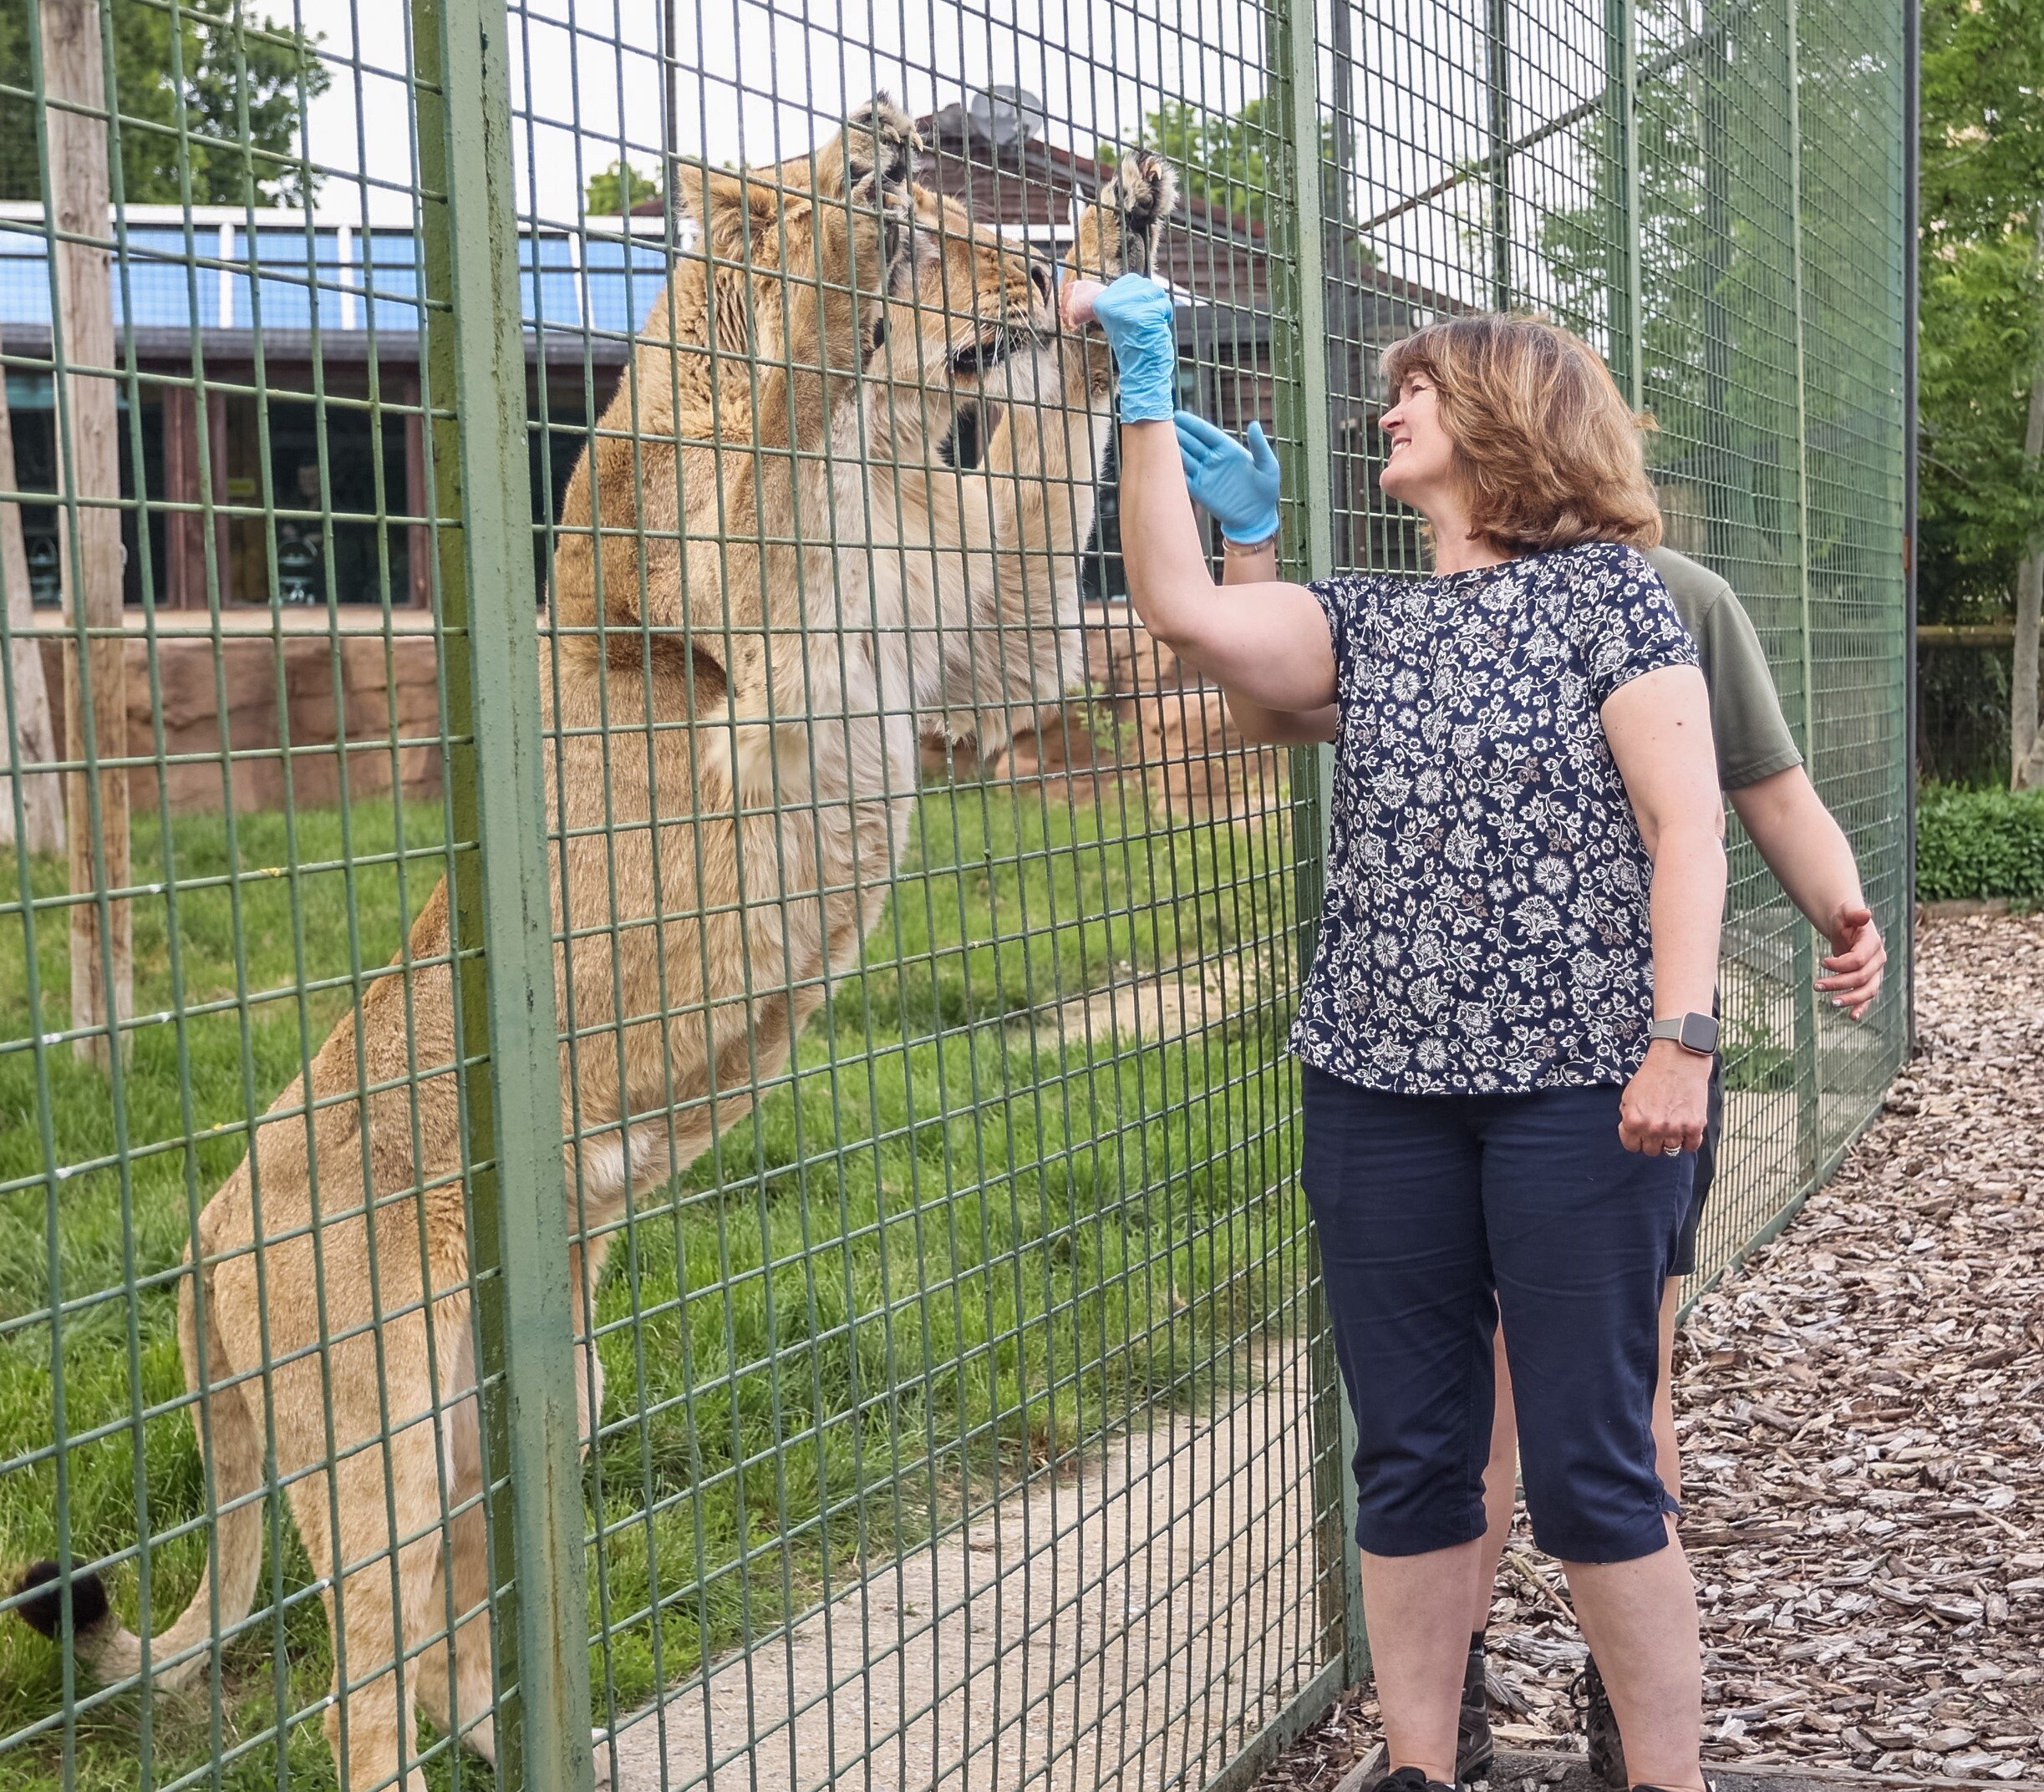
x: 1040, y: 278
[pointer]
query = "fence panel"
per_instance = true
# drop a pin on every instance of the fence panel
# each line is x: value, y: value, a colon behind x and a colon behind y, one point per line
x: 895, y: 945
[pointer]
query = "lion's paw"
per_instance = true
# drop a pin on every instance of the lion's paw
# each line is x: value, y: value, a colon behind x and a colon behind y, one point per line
x: 1119, y: 233
x: 880, y: 149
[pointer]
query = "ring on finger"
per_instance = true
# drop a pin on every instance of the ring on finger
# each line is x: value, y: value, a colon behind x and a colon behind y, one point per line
x: 1671, y: 1150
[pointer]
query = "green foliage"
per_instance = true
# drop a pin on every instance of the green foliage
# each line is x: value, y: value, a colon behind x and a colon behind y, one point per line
x: 978, y: 1225
x: 196, y: 74
x: 1973, y: 844
x: 614, y: 190
x: 1232, y: 159
x: 1983, y: 298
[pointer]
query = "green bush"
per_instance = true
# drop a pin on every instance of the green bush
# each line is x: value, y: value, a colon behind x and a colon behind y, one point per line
x: 1979, y: 843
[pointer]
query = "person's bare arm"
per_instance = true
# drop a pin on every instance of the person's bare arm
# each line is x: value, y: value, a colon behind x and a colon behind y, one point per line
x: 1659, y: 728
x: 1266, y: 641
x: 1255, y: 723
x: 1811, y: 858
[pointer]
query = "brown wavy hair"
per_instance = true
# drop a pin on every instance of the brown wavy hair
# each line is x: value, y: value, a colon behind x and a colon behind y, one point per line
x: 1547, y: 450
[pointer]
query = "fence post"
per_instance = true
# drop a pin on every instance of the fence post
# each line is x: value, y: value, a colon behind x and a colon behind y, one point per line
x: 476, y: 396
x: 1809, y: 1095
x: 1622, y: 154
x: 1299, y: 352
x: 1912, y: 148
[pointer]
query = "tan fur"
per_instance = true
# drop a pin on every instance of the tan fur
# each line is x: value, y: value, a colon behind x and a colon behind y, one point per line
x: 732, y: 707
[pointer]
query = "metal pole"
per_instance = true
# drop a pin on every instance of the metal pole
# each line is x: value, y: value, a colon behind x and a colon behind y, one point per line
x: 1912, y: 147
x: 1303, y: 398
x: 1499, y: 86
x: 1809, y: 1104
x: 1621, y: 90
x: 502, y: 912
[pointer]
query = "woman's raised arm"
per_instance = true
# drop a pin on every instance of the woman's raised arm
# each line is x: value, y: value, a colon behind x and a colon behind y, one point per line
x: 1269, y: 642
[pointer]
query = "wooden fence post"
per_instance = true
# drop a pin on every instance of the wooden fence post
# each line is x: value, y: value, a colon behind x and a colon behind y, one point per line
x: 34, y: 738
x: 95, y: 671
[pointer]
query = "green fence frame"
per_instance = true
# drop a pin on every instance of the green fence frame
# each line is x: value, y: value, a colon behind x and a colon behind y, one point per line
x: 1754, y: 288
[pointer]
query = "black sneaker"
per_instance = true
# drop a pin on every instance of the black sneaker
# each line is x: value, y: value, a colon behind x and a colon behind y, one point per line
x: 1599, y: 1726
x: 1412, y: 1780
x: 1474, y: 1747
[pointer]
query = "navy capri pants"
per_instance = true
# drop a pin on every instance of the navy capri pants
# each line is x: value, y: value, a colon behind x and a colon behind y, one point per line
x: 1437, y: 1214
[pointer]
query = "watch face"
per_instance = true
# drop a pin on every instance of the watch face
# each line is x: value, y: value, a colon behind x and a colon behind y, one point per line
x: 1699, y: 1033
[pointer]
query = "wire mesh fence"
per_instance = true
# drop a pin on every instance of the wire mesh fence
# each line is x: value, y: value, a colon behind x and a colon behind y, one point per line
x: 647, y: 1135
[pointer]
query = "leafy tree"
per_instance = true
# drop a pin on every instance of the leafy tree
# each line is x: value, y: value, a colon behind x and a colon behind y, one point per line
x: 209, y: 68
x: 1231, y: 160
x: 1982, y: 285
x: 617, y: 189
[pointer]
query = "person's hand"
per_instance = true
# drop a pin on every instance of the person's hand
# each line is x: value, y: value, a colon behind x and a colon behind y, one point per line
x: 1238, y: 485
x: 1666, y: 1103
x: 1142, y: 330
x: 1857, y: 957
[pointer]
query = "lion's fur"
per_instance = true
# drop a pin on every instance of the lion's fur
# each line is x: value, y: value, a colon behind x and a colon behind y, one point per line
x: 786, y: 577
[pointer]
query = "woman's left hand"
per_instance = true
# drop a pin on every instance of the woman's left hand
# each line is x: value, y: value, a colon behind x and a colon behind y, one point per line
x: 1667, y: 1101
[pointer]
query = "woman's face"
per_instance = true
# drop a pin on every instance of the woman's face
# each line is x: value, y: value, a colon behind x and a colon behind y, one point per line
x: 1422, y: 454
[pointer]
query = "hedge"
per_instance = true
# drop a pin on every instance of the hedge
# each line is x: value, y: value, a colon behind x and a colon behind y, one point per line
x: 1979, y: 843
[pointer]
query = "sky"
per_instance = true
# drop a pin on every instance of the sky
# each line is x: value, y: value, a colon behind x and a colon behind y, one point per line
x: 762, y: 80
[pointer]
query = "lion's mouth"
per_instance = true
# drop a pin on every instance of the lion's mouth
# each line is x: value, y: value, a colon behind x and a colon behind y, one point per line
x: 988, y: 352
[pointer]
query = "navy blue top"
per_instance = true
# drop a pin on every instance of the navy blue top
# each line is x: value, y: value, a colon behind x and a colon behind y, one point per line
x: 1486, y: 925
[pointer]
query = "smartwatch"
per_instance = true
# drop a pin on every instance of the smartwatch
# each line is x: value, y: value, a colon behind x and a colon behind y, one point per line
x: 1693, y: 1032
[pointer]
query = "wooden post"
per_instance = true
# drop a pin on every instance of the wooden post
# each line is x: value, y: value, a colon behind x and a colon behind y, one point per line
x: 102, y: 969
x: 35, y: 739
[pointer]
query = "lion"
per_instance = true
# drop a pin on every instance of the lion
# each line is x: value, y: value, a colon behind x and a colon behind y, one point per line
x: 730, y: 713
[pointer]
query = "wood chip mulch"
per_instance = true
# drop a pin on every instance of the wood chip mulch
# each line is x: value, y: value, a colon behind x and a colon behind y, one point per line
x: 1862, y: 1409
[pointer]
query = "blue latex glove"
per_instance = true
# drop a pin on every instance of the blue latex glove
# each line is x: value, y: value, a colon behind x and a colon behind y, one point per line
x: 1138, y: 316
x: 1238, y: 485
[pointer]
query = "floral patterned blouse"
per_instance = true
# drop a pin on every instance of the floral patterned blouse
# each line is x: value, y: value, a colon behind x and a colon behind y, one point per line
x: 1486, y: 924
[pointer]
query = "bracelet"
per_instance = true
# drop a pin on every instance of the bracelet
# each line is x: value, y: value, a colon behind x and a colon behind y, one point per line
x: 1269, y: 542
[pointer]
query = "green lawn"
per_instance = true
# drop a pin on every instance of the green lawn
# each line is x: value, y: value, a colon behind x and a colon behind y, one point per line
x: 966, y: 1239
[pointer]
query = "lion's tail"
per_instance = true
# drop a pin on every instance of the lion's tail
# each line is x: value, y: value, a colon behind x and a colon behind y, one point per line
x: 228, y: 1589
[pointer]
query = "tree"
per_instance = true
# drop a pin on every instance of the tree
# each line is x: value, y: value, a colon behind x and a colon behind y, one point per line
x: 1981, y: 396
x: 617, y: 189
x: 196, y: 74
x: 1230, y: 160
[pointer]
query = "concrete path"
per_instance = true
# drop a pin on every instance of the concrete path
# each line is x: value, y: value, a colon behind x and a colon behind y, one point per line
x: 1127, y: 1626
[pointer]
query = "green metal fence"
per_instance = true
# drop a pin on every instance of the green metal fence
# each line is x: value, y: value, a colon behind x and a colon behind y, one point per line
x: 704, y: 1193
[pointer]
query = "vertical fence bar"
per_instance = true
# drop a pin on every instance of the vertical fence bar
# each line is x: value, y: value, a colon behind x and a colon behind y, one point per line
x: 1912, y: 150
x: 1809, y: 1095
x: 1299, y: 354
x: 1622, y: 148
x: 1497, y: 97
x: 503, y: 915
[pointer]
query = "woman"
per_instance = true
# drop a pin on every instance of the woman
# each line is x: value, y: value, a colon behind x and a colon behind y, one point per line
x: 1761, y: 771
x: 1506, y: 1030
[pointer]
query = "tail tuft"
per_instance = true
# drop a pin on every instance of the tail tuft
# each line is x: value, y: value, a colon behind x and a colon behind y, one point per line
x: 41, y: 1593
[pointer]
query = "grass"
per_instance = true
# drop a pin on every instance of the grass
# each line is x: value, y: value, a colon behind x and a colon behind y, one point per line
x: 967, y: 1238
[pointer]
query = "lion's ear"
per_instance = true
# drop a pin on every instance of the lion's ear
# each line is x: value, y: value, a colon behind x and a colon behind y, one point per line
x: 741, y: 215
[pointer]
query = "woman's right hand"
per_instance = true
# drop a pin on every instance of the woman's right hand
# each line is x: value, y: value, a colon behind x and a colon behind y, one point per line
x: 1142, y: 330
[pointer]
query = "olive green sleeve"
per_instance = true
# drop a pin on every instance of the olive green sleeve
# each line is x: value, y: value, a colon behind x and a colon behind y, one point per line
x: 1752, y: 735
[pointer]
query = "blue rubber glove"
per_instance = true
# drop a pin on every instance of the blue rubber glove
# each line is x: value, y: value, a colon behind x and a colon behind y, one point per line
x: 1141, y: 328
x: 1238, y: 485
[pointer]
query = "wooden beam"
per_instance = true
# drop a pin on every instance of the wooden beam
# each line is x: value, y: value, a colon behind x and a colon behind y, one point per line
x: 33, y: 736
x: 102, y: 939
x: 1966, y: 634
